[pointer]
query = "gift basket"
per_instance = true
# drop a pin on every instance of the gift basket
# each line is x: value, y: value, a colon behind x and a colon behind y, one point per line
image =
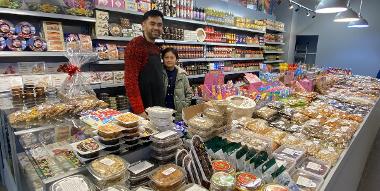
x: 76, y: 86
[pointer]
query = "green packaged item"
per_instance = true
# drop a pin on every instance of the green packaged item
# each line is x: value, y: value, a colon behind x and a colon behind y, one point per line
x: 230, y: 148
x: 280, y: 176
x: 259, y: 159
x: 244, y: 150
x: 250, y: 154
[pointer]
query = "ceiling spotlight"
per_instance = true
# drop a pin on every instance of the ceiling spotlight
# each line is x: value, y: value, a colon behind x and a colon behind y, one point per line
x: 361, y: 23
x: 308, y: 14
x: 297, y: 9
x: 291, y: 6
x: 347, y: 16
x: 331, y: 6
x: 313, y: 16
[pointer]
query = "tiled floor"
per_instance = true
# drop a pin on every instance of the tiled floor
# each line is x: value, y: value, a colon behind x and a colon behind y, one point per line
x: 371, y: 175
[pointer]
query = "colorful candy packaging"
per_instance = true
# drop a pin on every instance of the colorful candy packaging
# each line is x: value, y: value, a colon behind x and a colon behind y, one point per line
x: 25, y: 30
x: 6, y: 28
x: 16, y: 43
x: 37, y: 44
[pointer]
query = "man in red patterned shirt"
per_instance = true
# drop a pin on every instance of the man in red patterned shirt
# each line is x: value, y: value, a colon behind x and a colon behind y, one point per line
x: 143, y: 69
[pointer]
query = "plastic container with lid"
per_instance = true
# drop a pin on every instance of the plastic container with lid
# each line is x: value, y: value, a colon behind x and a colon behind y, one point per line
x: 192, y: 187
x: 290, y: 152
x: 164, y: 137
x: 167, y: 150
x: 222, y: 166
x: 274, y: 187
x: 140, y: 170
x: 87, y: 148
x: 73, y: 183
x: 160, y: 112
x: 108, y: 168
x: 128, y: 119
x: 288, y: 163
x: 201, y: 123
x: 314, y: 166
x: 143, y: 188
x: 116, y: 188
x: 222, y: 181
x: 170, y: 143
x: 168, y: 177
x: 164, y: 159
x: 307, y: 181
x: 246, y: 181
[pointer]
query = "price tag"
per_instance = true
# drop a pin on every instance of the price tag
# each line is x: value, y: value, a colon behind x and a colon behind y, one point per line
x: 313, y: 166
x: 303, y: 181
x: 288, y: 151
x: 107, y: 161
x: 165, y: 134
x: 140, y: 167
x: 168, y: 171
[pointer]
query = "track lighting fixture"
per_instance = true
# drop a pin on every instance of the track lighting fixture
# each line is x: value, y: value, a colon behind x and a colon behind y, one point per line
x: 308, y: 14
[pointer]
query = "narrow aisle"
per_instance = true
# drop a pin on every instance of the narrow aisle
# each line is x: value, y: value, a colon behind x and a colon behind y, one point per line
x: 370, y: 180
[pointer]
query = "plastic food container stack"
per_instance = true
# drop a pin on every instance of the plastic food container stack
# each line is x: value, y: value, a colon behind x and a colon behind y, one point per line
x: 165, y: 146
x: 116, y: 188
x: 201, y: 126
x: 139, y: 174
x: 168, y: 178
x: 76, y: 182
x: 130, y: 127
x: 109, y: 170
x: 162, y: 118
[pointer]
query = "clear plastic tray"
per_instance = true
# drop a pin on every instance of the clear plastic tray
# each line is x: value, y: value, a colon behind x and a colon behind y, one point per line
x: 73, y: 183
x: 192, y: 187
x: 109, y: 131
x: 288, y: 163
x: 140, y: 170
x: 307, y: 181
x: 180, y: 155
x: 165, y: 137
x: 168, y: 176
x: 128, y: 119
x: 170, y: 149
x: 108, y: 167
x: 201, y: 123
x: 160, y: 112
x: 143, y: 188
x: 89, y: 152
x: 314, y: 166
x: 166, y: 158
x: 222, y: 181
x: 116, y: 188
x: 290, y: 152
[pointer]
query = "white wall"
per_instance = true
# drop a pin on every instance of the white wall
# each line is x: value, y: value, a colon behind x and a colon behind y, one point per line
x: 339, y: 46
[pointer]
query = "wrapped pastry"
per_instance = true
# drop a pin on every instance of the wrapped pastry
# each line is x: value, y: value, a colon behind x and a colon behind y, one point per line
x: 329, y: 155
x: 276, y: 135
x: 291, y: 140
x: 306, y: 181
x: 168, y: 177
x: 16, y: 43
x: 108, y: 168
x: 314, y: 166
x: 266, y: 113
x: 299, y: 118
x: 312, y: 147
x: 281, y: 123
x: 259, y: 126
x: 112, y: 52
x: 115, y: 29
x: 25, y: 30
x: 7, y: 29
x: 37, y: 44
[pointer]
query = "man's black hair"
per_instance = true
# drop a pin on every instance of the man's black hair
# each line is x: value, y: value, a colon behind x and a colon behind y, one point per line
x: 153, y: 13
x: 172, y: 50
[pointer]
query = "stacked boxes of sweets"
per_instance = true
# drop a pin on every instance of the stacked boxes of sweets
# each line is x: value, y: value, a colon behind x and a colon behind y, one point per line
x: 161, y: 118
x: 139, y: 174
x: 101, y: 25
x: 109, y: 170
x: 130, y: 128
x: 165, y: 145
x: 20, y: 37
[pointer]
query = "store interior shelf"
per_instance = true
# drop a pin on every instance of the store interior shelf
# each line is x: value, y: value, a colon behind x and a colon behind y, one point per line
x: 225, y: 73
x: 235, y: 28
x: 118, y: 10
x: 162, y: 41
x: 30, y: 54
x: 273, y: 61
x: 46, y: 15
x: 235, y: 45
x: 109, y: 62
x: 182, y: 20
x: 274, y: 52
x: 100, y: 85
x: 217, y: 59
x: 275, y: 30
x: 113, y: 38
x: 275, y: 43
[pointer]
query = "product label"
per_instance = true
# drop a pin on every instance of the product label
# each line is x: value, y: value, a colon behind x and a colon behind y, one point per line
x: 303, y: 181
x: 168, y: 171
x: 288, y: 151
x: 195, y: 187
x: 107, y: 161
x: 138, y: 168
x: 313, y: 166
x: 73, y: 185
x: 165, y: 134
